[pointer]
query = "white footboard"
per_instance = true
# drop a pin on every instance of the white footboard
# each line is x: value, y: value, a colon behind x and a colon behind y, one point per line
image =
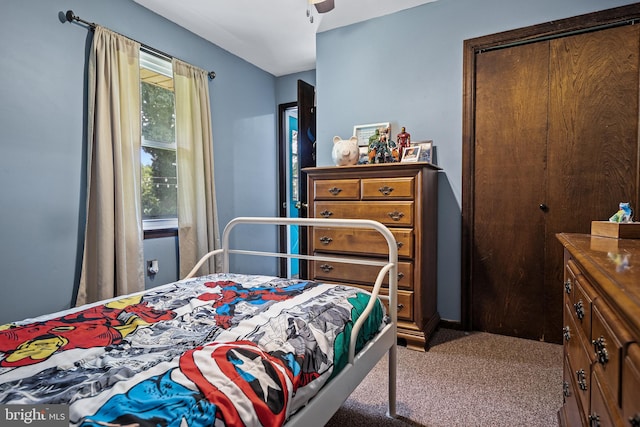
x: 322, y: 407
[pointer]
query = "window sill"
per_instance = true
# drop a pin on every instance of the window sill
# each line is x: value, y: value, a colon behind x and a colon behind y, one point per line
x: 157, y: 228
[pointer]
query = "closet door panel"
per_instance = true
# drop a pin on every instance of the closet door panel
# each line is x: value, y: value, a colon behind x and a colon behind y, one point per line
x: 592, y: 142
x: 509, y: 173
x: 590, y: 157
x: 593, y: 150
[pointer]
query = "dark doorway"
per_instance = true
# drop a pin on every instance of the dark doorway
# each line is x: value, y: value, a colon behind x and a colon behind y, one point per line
x: 296, y: 150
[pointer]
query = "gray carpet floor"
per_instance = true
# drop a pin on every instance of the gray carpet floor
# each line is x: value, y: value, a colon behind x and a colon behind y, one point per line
x: 465, y: 379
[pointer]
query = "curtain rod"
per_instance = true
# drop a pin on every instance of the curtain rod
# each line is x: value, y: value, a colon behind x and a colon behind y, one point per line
x: 542, y: 38
x: 71, y: 17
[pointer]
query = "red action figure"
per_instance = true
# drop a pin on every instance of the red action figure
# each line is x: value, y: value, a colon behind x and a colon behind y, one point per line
x: 404, y: 140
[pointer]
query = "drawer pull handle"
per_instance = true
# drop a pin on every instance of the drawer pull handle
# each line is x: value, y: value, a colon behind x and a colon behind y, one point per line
x: 600, y: 347
x: 399, y: 244
x: 567, y: 286
x: 400, y: 307
x: 635, y: 420
x: 386, y: 190
x: 579, y: 306
x: 335, y: 191
x: 326, y: 240
x: 325, y: 213
x: 566, y: 389
x: 400, y: 275
x: 594, y: 420
x: 567, y: 333
x: 395, y: 215
x: 582, y: 379
x: 326, y: 268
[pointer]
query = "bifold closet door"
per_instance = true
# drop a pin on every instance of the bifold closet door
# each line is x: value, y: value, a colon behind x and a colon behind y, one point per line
x: 556, y: 146
x: 510, y: 151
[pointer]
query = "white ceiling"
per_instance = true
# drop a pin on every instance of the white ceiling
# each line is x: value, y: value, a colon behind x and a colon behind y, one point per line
x: 274, y: 35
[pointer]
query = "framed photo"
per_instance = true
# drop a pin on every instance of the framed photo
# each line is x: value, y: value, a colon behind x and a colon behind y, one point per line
x: 363, y: 159
x: 364, y: 132
x: 426, y: 151
x: 411, y: 153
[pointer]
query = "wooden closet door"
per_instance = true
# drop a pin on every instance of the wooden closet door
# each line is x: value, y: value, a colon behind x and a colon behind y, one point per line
x: 556, y: 146
x: 510, y: 177
x: 592, y: 141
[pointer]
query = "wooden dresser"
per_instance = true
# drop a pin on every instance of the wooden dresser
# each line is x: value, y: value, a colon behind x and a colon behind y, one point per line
x: 402, y: 196
x: 601, y: 331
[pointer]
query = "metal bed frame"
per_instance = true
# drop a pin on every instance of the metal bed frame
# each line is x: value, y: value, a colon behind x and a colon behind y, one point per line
x: 320, y: 408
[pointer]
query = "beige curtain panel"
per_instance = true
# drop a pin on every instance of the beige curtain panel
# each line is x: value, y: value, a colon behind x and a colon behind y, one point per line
x: 198, y: 231
x: 113, y: 262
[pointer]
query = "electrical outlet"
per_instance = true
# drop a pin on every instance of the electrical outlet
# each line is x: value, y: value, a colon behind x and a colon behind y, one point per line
x: 152, y: 267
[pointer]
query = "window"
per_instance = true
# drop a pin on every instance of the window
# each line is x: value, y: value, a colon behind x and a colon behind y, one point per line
x: 158, y: 148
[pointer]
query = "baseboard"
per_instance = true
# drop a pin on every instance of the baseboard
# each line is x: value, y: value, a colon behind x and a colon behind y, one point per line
x: 450, y: 324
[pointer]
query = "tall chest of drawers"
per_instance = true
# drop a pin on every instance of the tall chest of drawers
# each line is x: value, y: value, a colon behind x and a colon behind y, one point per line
x: 601, y: 381
x: 402, y: 196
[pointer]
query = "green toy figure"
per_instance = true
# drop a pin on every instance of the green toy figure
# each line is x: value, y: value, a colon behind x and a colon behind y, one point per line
x: 381, y: 149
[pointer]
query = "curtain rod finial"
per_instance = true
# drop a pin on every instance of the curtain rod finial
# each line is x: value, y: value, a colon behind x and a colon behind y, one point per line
x: 212, y: 75
x: 70, y: 17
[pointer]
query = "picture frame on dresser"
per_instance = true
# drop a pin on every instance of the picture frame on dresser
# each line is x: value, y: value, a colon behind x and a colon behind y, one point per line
x: 363, y: 157
x: 411, y: 154
x: 426, y: 151
x: 364, y: 132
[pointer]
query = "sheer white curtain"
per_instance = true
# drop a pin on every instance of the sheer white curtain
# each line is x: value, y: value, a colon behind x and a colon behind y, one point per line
x: 198, y: 231
x: 113, y: 262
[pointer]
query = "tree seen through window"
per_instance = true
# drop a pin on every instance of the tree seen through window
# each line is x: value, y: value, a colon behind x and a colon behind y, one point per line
x: 158, y: 154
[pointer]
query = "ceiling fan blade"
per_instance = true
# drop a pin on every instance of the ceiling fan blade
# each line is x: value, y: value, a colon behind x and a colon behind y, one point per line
x: 325, y: 6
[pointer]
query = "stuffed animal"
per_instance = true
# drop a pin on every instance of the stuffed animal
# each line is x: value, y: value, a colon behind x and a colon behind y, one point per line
x: 624, y: 214
x: 345, y: 151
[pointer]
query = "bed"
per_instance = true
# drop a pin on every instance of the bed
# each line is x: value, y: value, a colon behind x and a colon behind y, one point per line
x: 221, y: 349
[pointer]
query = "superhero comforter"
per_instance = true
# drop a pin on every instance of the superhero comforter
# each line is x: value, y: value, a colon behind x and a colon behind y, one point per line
x: 222, y: 349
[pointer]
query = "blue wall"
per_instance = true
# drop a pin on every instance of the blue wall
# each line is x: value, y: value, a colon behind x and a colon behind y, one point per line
x: 406, y: 69
x: 165, y: 251
x: 287, y: 86
x: 42, y: 133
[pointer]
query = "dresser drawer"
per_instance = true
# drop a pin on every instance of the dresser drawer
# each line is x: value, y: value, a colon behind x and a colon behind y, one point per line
x: 364, y: 274
x: 583, y: 296
x: 569, y: 331
x: 571, y: 270
x: 631, y: 385
x: 572, y: 410
x: 342, y: 189
x: 580, y: 362
x: 405, y: 302
x: 388, y: 188
x: 397, y: 214
x: 604, y: 409
x: 357, y: 241
x: 609, y: 338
